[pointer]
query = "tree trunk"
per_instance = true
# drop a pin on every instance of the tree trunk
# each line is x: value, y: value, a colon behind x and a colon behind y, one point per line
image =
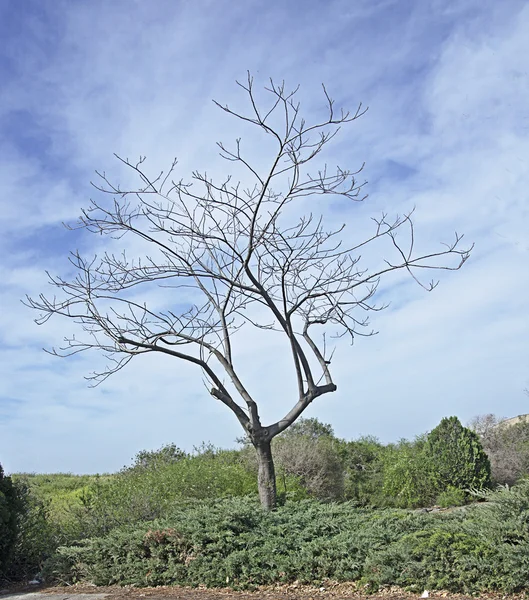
x: 266, y: 479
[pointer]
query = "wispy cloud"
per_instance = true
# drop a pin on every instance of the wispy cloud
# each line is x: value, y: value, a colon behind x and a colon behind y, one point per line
x: 447, y: 131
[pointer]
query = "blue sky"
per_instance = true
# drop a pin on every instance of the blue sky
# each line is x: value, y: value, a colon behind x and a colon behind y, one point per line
x: 447, y: 131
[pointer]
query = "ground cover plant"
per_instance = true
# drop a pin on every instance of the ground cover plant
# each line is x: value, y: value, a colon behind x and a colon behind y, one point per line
x: 476, y: 549
x: 348, y: 510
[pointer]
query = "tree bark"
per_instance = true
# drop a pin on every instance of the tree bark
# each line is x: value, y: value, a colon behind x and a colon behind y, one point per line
x: 266, y: 479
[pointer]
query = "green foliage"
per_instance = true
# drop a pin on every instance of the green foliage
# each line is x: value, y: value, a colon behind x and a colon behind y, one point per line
x: 458, y: 456
x: 194, y: 519
x: 149, y: 491
x: 408, y: 474
x: 363, y: 462
x: 235, y: 542
x: 36, y: 538
x: 50, y: 486
x: 480, y: 548
x: 10, y: 510
x: 151, y: 459
x: 452, y: 496
x: 312, y: 428
x: 445, y: 555
x: 59, y: 499
x: 433, y: 467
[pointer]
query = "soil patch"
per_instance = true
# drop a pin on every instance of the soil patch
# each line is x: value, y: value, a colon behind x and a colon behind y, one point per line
x: 334, y: 591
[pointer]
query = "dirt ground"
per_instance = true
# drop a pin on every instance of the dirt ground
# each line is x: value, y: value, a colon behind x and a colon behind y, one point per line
x: 330, y: 591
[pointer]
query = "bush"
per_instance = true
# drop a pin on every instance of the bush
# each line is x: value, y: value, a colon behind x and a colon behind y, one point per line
x: 457, y: 456
x: 446, y: 555
x: 314, y: 464
x: 10, y: 509
x: 363, y: 461
x: 484, y: 547
x: 150, y: 459
x: 504, y: 520
x: 235, y: 542
x: 36, y: 538
x: 408, y: 475
x: 149, y: 491
x: 481, y: 548
x: 432, y: 467
x: 452, y: 496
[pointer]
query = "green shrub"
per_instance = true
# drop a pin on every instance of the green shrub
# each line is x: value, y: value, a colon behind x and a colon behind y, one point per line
x: 480, y: 548
x: 443, y: 556
x: 408, y: 475
x: 235, y: 542
x: 61, y: 496
x: 150, y: 459
x: 36, y: 538
x: 10, y: 509
x: 181, y: 521
x: 150, y: 491
x: 458, y: 456
x: 450, y: 457
x: 452, y: 496
x: 504, y: 519
x: 363, y: 461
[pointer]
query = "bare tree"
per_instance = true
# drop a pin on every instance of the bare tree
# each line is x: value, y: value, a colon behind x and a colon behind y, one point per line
x: 506, y: 442
x: 247, y: 255
x: 483, y: 424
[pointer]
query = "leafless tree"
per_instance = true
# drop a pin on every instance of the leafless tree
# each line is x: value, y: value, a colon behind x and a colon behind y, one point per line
x: 483, y: 424
x: 247, y: 254
x: 506, y: 442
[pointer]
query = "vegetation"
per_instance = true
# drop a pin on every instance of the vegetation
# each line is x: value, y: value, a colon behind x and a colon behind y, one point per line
x: 457, y: 456
x: 482, y: 548
x: 9, y: 514
x: 348, y: 511
x: 408, y: 474
x: 506, y: 445
x: 37, y: 538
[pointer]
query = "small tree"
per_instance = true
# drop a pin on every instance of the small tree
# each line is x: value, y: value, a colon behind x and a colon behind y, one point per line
x: 245, y: 254
x: 457, y: 456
